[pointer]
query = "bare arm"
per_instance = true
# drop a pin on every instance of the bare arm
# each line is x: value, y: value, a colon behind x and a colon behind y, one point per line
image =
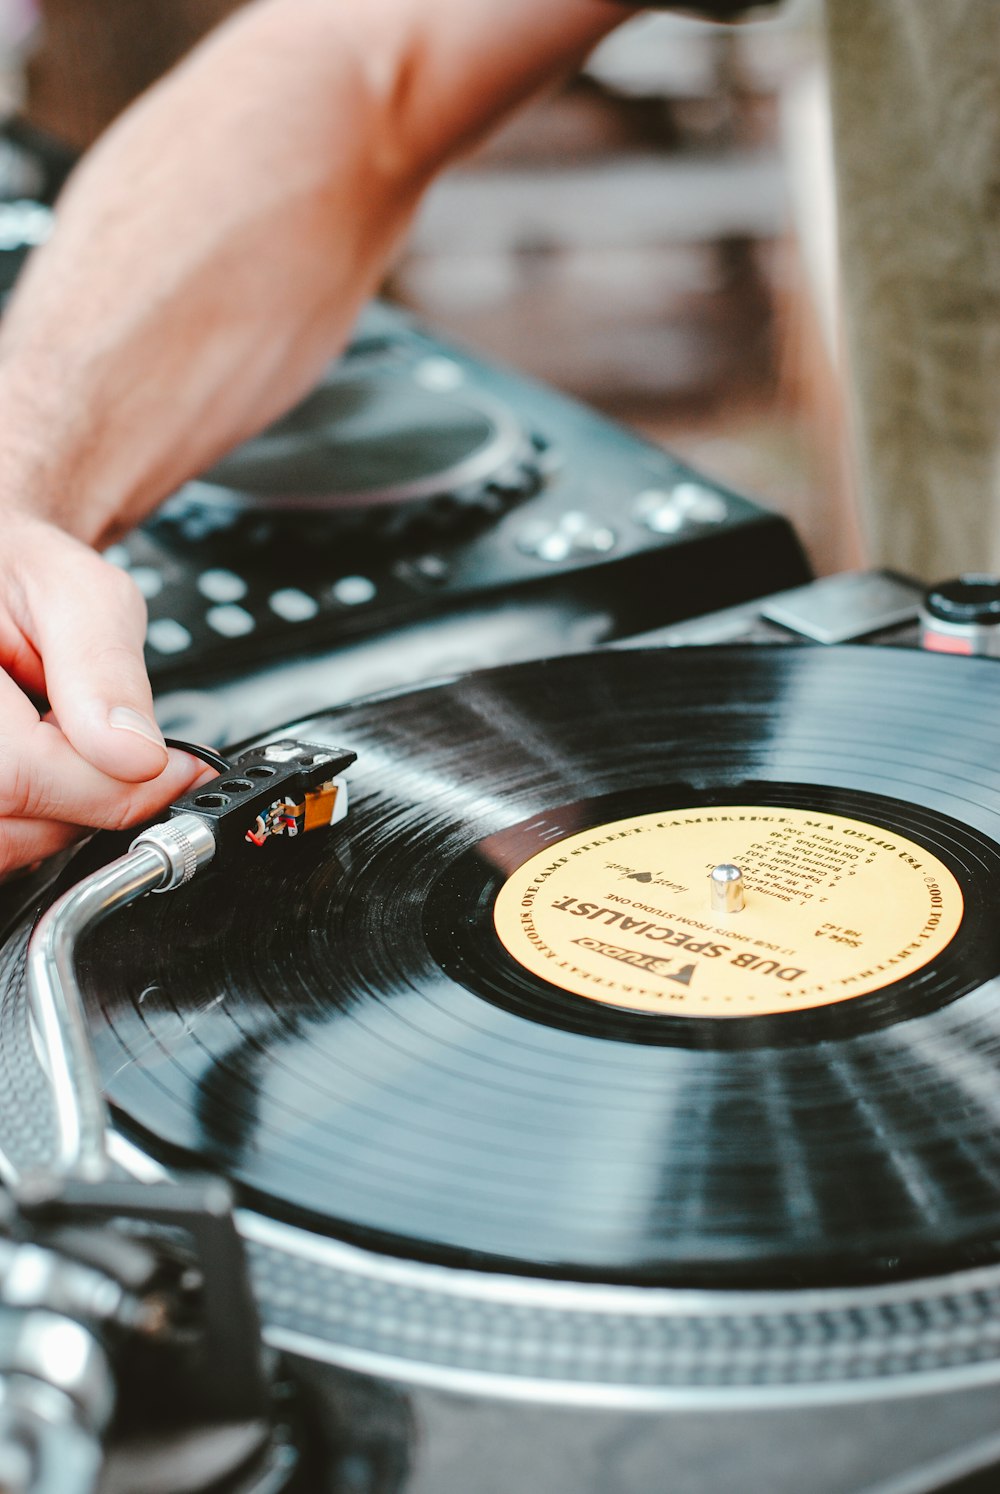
x: 211, y: 254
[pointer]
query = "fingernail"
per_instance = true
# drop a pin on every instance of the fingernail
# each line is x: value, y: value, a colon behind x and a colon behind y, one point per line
x: 123, y: 718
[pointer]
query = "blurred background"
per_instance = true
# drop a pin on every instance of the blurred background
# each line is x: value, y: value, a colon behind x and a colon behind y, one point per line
x: 657, y: 236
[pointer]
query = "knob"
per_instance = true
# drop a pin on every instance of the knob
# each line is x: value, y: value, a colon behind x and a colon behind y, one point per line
x: 962, y: 616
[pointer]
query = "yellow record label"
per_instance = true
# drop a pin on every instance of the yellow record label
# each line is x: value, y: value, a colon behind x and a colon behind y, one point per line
x: 834, y: 908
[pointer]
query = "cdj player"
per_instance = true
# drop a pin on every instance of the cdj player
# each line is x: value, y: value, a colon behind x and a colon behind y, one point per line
x: 422, y: 513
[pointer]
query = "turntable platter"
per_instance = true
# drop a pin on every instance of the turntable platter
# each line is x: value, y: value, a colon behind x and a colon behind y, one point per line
x: 343, y: 1032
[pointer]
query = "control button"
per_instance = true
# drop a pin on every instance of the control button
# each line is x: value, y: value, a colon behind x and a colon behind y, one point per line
x: 230, y: 621
x: 433, y: 569
x: 515, y: 480
x: 547, y: 458
x: 222, y: 586
x: 667, y: 510
x: 167, y: 636
x: 699, y: 503
x: 573, y: 535
x: 293, y: 605
x: 149, y: 580
x: 353, y: 591
x: 962, y: 616
x: 439, y: 374
x: 24, y: 224
x: 655, y: 509
x: 118, y: 555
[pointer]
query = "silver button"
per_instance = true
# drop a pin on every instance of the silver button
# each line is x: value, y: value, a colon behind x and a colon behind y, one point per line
x: 573, y: 534
x: 222, y: 586
x: 24, y: 224
x: 230, y: 621
x: 148, y: 579
x: 430, y: 568
x: 439, y: 374
x: 353, y: 591
x: 666, y: 511
x: 554, y: 547
x: 655, y: 510
x: 700, y: 503
x: 293, y: 605
x: 168, y: 636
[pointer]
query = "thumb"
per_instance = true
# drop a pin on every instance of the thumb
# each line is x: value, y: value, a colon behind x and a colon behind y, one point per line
x: 88, y: 622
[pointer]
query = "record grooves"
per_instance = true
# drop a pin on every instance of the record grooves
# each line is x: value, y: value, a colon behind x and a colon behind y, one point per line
x: 344, y: 1034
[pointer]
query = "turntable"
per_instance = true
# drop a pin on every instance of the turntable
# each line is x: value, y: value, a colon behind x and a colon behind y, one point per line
x: 562, y: 1153
x: 610, y: 1099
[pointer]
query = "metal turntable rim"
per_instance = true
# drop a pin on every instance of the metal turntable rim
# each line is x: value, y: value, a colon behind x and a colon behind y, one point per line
x: 514, y: 1337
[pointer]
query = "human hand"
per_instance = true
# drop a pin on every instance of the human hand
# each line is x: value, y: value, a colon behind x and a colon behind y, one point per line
x: 199, y: 278
x: 71, y: 634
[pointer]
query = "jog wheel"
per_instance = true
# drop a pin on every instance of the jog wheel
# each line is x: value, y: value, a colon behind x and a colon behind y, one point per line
x: 373, y: 454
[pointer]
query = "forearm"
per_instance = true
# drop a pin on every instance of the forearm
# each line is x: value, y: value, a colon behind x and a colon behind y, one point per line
x: 213, y: 250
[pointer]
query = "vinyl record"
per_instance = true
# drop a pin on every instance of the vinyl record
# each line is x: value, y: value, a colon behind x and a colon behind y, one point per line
x: 494, y: 1020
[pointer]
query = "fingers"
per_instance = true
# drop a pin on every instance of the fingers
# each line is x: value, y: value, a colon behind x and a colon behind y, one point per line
x: 23, y: 842
x: 26, y: 841
x: 43, y: 777
x: 72, y: 628
x: 21, y: 660
x: 87, y: 621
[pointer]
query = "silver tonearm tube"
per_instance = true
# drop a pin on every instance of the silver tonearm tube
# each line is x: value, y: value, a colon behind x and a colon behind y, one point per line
x: 165, y: 856
x: 160, y: 859
x: 52, y: 1421
x: 57, y: 1388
